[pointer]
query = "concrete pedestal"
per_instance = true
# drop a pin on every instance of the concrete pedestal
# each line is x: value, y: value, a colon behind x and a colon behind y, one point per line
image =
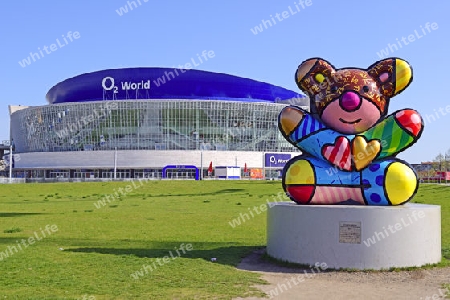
x: 356, y: 237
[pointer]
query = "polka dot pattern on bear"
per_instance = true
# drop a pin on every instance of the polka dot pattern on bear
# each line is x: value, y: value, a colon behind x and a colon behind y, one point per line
x: 374, y: 176
x: 374, y: 167
x: 366, y: 184
x: 375, y: 197
x: 379, y: 180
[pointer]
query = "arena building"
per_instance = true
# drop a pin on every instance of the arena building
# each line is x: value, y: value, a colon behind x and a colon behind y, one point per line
x: 152, y: 122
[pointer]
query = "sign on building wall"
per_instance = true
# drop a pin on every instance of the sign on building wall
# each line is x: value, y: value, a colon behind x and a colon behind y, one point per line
x: 276, y: 160
x: 256, y: 173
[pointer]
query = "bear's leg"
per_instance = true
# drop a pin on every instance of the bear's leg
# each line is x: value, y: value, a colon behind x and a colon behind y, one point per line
x: 307, y: 180
x: 389, y: 182
x: 299, y: 180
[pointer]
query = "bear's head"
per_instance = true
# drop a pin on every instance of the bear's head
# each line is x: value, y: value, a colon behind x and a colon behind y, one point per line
x: 352, y: 100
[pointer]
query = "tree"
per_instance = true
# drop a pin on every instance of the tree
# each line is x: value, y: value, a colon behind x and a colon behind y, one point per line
x: 437, y: 162
x: 447, y: 160
x: 441, y: 163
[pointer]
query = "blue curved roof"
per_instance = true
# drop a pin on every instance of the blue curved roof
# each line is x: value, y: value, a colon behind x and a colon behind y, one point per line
x: 166, y: 83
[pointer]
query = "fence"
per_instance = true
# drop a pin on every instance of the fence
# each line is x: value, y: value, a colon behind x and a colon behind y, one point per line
x: 12, y: 180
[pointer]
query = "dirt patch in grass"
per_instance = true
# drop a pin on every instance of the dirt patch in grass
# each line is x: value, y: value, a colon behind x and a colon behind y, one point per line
x: 284, y: 283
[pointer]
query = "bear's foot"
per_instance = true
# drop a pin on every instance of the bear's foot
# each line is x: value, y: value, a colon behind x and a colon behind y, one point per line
x: 389, y: 182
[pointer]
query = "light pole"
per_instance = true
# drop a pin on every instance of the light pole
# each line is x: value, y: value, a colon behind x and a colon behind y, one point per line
x: 201, y: 164
x: 10, y: 162
x: 445, y: 167
x: 270, y: 166
x: 115, y: 162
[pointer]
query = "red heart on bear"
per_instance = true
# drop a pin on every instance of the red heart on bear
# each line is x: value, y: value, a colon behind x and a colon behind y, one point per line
x: 339, y: 153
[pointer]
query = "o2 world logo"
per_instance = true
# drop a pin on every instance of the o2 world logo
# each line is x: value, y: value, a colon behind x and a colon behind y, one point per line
x: 108, y: 84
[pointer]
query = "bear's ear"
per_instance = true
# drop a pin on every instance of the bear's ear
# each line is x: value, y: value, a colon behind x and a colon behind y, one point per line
x: 392, y: 74
x: 312, y: 73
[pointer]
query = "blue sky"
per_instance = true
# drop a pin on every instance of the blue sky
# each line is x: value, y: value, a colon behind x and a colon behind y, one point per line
x: 171, y: 33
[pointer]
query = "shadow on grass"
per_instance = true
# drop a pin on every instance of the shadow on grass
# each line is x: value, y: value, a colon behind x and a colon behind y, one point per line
x: 230, y: 255
x: 17, y: 214
x: 223, y: 191
x: 446, y: 253
x: 10, y: 241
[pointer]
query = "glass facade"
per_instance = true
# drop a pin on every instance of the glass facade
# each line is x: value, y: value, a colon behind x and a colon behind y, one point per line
x: 149, y: 125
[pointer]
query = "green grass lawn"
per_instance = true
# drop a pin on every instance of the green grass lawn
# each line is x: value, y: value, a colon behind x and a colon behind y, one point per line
x: 101, y: 252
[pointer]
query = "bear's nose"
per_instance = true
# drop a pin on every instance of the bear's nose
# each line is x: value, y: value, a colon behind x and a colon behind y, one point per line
x: 350, y: 101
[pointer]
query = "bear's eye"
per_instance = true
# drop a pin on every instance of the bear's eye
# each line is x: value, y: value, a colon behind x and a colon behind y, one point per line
x: 365, y: 89
x: 333, y: 89
x: 384, y: 77
x: 319, y: 77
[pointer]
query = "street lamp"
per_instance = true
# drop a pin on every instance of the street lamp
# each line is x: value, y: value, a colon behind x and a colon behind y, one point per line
x: 446, y: 167
x: 10, y: 162
x: 115, y: 162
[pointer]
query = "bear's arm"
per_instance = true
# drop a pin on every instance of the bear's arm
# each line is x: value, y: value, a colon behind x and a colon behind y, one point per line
x: 309, y: 134
x: 312, y: 138
x: 307, y: 126
x: 396, y: 132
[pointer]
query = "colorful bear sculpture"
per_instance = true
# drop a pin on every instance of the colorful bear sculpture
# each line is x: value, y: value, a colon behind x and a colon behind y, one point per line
x: 348, y: 142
